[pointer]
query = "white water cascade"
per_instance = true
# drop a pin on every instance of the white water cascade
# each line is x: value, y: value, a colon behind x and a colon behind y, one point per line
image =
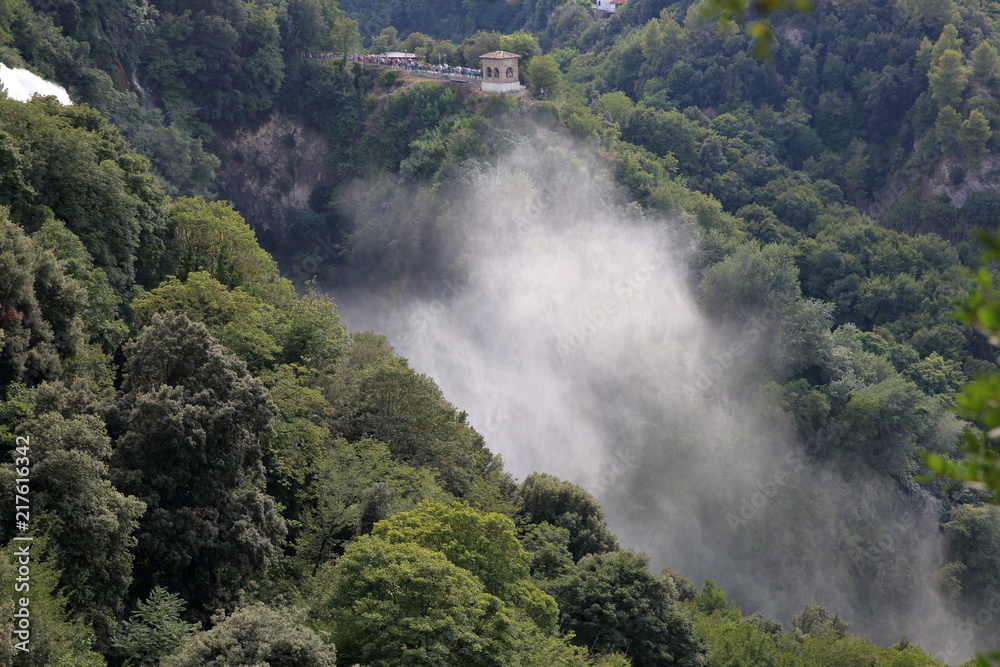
x: 22, y: 85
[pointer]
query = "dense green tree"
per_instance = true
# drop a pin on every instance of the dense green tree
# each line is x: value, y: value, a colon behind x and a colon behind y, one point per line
x: 385, y: 400
x: 736, y: 285
x: 480, y: 43
x: 56, y: 637
x: 613, y: 603
x: 948, y: 40
x: 241, y: 322
x: 439, y: 615
x: 548, y: 546
x: 344, y: 35
x: 948, y: 79
x: 485, y: 544
x: 88, y: 523
x: 213, y: 237
x: 985, y: 63
x: 334, y: 500
x: 947, y: 127
x: 543, y: 497
x: 816, y: 621
x: 256, y: 635
x: 29, y: 352
x: 523, y: 44
x: 544, y: 76
x: 387, y: 40
x: 82, y: 169
x: 190, y: 426
x: 219, y: 63
x: 973, y: 136
x: 154, y: 630
x: 99, y: 309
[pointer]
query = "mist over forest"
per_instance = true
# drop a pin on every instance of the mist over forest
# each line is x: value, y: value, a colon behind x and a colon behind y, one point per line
x: 573, y: 336
x: 683, y: 354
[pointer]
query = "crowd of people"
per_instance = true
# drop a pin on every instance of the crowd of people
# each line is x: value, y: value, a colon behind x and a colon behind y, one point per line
x: 325, y: 55
x: 411, y: 64
x: 415, y: 64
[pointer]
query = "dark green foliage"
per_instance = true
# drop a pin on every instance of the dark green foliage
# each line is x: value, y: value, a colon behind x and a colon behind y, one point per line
x: 354, y: 485
x: 39, y: 309
x: 190, y: 425
x: 83, y: 171
x: 613, y: 603
x: 544, y: 498
x: 227, y: 64
x: 863, y: 106
x: 549, y: 549
x: 89, y: 524
x: 451, y: 19
x: 407, y: 114
x: 380, y: 397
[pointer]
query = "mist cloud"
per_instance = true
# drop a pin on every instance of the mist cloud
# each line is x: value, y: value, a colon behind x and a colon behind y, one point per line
x: 568, y: 326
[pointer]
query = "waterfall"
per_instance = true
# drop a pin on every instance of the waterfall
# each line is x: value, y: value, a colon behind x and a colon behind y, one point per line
x: 22, y: 85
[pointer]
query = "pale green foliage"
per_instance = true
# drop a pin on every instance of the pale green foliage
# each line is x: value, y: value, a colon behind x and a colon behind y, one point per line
x: 333, y: 501
x: 521, y: 43
x: 544, y: 76
x: 439, y: 615
x: 213, y: 237
x: 948, y: 79
x: 485, y: 544
x: 618, y: 106
x: 256, y: 635
x: 240, y: 321
x: 154, y: 630
x: 344, y: 35
x: 300, y: 427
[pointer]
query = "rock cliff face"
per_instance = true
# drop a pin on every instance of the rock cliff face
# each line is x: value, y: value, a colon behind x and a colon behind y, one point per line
x: 958, y: 182
x: 273, y: 167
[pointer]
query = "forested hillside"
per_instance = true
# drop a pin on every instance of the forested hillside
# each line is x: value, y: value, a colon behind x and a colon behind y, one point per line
x: 702, y: 301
